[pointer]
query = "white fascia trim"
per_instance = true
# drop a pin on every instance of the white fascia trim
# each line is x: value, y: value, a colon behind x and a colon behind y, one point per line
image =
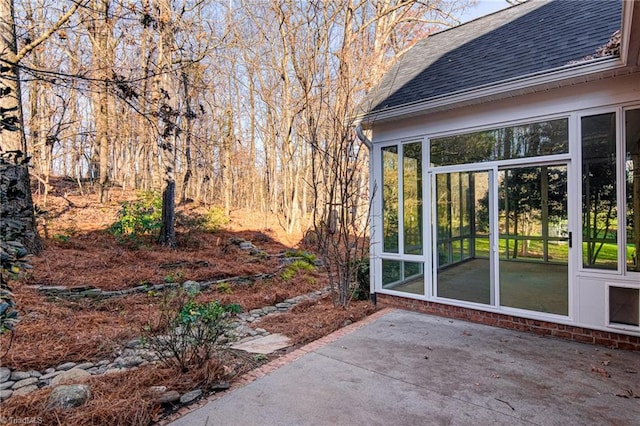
x: 627, y: 16
x: 569, y: 72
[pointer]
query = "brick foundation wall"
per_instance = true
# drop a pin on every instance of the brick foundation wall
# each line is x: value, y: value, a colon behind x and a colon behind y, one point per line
x: 578, y: 334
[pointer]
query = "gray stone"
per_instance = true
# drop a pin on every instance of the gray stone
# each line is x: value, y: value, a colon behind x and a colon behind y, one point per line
x: 49, y: 370
x: 260, y: 330
x: 26, y: 382
x: 256, y: 312
x: 103, y: 362
x: 68, y: 396
x: 190, y: 396
x: 16, y: 376
x: 283, y: 305
x: 191, y: 286
x: 26, y: 390
x: 129, y: 361
x: 66, y: 366
x: 34, y: 373
x: 132, y: 344
x: 220, y: 386
x: 85, y: 365
x: 51, y: 375
x: 270, y: 309
x: 264, y: 345
x: 94, y: 292
x: 52, y: 289
x: 246, y: 245
x: 5, y: 394
x: 73, y: 375
x: 6, y: 385
x: 158, y: 389
x: 168, y: 397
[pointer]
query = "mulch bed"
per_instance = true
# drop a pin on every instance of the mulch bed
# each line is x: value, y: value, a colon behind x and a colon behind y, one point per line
x: 79, y: 252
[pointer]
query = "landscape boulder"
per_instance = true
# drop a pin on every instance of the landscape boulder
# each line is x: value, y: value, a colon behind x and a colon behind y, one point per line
x: 73, y: 375
x: 68, y: 396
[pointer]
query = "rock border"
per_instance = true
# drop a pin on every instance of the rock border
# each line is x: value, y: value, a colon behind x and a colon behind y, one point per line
x: 135, y: 353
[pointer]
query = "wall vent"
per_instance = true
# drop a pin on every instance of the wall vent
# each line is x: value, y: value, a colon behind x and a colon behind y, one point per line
x: 624, y: 306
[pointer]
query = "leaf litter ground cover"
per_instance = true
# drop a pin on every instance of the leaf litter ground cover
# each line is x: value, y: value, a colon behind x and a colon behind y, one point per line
x: 79, y: 252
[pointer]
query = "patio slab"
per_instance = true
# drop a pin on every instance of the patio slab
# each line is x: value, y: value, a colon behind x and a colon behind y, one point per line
x: 407, y: 368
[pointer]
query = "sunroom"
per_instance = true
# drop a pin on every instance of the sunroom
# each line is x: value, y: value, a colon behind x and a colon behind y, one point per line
x: 520, y: 197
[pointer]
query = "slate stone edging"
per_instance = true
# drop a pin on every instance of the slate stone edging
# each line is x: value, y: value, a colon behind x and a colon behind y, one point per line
x: 135, y: 354
x: 96, y: 293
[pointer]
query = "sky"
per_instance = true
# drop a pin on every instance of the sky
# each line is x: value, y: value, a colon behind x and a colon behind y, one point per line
x: 483, y: 7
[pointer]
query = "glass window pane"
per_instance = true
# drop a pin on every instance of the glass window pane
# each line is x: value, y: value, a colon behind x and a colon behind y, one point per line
x: 599, y: 208
x: 390, y: 199
x: 632, y: 177
x: 412, y: 200
x: 528, y: 140
x: 407, y: 277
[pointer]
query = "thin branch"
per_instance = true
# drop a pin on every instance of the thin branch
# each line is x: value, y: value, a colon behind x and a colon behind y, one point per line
x: 44, y: 36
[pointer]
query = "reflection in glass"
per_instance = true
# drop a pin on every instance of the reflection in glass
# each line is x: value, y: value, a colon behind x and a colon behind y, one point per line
x: 529, y: 140
x: 390, y: 198
x: 403, y: 276
x: 599, y: 192
x: 412, y: 197
x: 632, y: 177
x: 533, y: 238
x: 463, y: 236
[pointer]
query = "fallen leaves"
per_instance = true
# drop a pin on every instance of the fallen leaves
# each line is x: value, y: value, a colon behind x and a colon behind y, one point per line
x: 628, y: 393
x: 600, y: 371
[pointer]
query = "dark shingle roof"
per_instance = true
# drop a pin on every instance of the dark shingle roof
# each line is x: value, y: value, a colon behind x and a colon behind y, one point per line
x: 533, y: 37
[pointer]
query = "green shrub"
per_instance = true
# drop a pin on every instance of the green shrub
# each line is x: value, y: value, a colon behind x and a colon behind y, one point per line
x: 361, y: 290
x: 224, y: 288
x: 187, y: 332
x: 292, y: 269
x: 310, y: 258
x: 138, y: 218
x: 214, y: 219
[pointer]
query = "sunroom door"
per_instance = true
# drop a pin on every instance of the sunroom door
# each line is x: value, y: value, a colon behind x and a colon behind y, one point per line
x: 502, y: 237
x: 534, y: 238
x: 463, y: 227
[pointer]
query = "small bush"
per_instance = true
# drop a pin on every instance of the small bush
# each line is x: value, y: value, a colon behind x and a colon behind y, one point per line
x: 138, y: 218
x: 187, y: 331
x: 361, y: 290
x: 224, y: 288
x: 310, y: 258
x: 214, y: 219
x: 292, y: 269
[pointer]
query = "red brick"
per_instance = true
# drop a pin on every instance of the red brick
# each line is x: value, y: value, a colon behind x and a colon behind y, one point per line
x: 561, y: 334
x: 628, y: 346
x: 583, y: 338
x: 604, y: 342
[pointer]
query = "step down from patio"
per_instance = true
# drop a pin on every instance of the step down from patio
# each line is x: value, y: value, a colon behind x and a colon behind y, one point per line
x: 264, y: 345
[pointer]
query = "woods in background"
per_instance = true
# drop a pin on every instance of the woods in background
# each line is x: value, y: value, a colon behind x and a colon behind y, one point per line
x: 234, y: 103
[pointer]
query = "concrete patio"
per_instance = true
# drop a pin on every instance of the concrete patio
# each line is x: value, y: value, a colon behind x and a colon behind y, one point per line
x: 405, y: 368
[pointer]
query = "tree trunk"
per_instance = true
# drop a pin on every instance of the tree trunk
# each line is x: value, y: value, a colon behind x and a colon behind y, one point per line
x: 165, y: 108
x: 19, y: 202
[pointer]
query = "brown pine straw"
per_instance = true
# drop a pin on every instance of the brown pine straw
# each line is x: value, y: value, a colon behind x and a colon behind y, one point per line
x: 79, y: 252
x: 116, y: 399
